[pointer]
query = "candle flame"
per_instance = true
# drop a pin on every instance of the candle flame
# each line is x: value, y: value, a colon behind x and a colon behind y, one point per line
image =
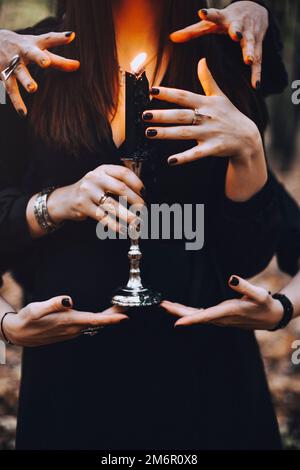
x: 138, y: 62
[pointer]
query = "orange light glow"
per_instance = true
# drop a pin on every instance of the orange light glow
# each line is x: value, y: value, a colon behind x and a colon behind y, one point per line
x: 138, y: 62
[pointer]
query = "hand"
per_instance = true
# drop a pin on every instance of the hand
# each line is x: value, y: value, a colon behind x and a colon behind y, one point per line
x: 53, y: 321
x: 256, y: 310
x: 81, y: 200
x: 245, y: 22
x: 32, y: 49
x: 216, y: 135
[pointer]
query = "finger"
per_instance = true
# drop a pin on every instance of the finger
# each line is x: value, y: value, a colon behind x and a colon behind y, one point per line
x: 126, y: 176
x: 172, y: 133
x: 207, y: 149
x: 49, y: 40
x: 113, y: 207
x: 178, y: 310
x: 206, y: 316
x: 119, y: 188
x: 23, y: 76
x: 37, y: 56
x: 12, y: 89
x: 212, y: 14
x: 105, y: 218
x: 248, y: 47
x: 194, y: 31
x: 247, y: 289
x: 56, y: 304
x: 183, y: 98
x: 207, y: 81
x: 61, y: 63
x: 115, y: 309
x: 235, y: 31
x: 170, y: 116
x: 256, y: 67
x: 86, y: 319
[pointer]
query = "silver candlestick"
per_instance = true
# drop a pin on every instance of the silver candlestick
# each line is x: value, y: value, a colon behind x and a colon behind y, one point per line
x: 134, y: 294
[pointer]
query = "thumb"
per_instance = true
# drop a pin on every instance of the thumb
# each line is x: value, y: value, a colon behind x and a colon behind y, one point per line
x: 56, y: 304
x: 207, y: 81
x: 258, y: 294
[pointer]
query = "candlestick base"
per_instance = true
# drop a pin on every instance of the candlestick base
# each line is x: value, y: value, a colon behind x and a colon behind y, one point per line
x: 131, y: 297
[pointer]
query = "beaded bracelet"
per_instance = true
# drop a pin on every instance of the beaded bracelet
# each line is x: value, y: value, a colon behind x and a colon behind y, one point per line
x: 2, y: 329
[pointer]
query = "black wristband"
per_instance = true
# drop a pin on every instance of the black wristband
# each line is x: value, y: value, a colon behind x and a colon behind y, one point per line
x: 2, y: 329
x: 288, y: 311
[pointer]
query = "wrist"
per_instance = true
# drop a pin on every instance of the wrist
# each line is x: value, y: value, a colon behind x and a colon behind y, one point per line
x: 58, y: 205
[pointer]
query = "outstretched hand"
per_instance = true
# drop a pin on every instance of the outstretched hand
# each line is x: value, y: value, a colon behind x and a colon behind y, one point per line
x: 245, y: 22
x: 256, y: 310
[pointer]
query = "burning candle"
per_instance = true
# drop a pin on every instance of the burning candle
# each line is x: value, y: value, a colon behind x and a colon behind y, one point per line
x: 137, y: 101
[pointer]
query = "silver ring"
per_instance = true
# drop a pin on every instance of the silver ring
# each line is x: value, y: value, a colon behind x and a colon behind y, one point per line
x: 91, y: 331
x: 103, y: 199
x: 198, y: 117
x: 6, y: 73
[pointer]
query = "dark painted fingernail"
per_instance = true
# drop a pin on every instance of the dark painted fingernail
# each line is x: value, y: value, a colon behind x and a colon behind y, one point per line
x: 173, y: 161
x: 69, y: 34
x: 239, y: 35
x: 147, y: 116
x: 143, y: 193
x: 21, y: 113
x: 151, y: 132
x: 204, y: 11
x: 257, y: 86
x: 154, y: 91
x: 66, y: 302
x: 234, y: 281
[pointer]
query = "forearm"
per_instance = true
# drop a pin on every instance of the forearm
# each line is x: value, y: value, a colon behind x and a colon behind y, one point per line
x: 247, y: 173
x: 292, y: 291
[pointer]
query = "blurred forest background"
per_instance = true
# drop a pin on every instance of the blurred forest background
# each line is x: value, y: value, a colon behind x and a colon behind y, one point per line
x: 284, y: 157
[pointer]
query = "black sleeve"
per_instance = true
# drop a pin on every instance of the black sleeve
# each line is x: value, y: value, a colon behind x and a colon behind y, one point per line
x: 288, y: 251
x: 246, y: 235
x: 14, y: 158
x: 274, y: 74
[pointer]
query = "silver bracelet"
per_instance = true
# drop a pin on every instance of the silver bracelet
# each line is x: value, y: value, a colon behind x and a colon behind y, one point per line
x: 41, y: 211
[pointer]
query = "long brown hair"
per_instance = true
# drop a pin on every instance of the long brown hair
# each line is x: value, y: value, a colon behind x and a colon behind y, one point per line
x: 71, y: 111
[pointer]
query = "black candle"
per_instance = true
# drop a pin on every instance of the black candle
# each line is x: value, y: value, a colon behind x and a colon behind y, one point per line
x: 137, y: 101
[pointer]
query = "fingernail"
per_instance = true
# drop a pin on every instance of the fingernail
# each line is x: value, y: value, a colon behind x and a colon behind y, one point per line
x: 69, y: 34
x: 31, y: 87
x: 172, y: 161
x: 250, y: 60
x: 66, y: 302
x: 204, y: 12
x: 21, y: 113
x: 147, y: 116
x: 257, y: 86
x: 143, y: 193
x: 239, y: 35
x: 151, y: 132
x: 44, y: 62
x: 234, y: 281
x: 154, y: 91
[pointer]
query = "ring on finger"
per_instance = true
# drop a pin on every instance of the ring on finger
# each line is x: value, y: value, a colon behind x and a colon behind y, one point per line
x: 198, y: 117
x: 91, y: 331
x: 9, y: 70
x: 103, y: 199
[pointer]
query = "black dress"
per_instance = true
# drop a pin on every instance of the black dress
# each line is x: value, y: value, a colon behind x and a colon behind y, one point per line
x: 143, y: 384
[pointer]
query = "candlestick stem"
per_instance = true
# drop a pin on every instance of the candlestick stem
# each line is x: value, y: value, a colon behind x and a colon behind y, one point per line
x: 134, y: 294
